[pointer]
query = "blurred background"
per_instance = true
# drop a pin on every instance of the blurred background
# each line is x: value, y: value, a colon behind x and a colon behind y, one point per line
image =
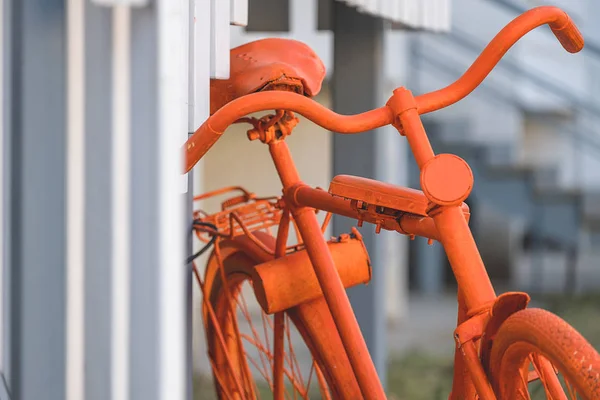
x: 99, y: 95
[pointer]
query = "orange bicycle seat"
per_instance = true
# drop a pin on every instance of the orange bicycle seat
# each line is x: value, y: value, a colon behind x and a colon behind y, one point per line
x: 269, y: 64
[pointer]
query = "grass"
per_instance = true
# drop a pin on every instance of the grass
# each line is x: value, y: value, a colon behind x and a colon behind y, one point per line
x: 204, y: 390
x: 422, y: 376
x: 419, y: 376
x: 582, y: 312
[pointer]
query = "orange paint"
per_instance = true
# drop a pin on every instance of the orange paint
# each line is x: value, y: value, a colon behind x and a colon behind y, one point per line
x: 561, y: 24
x: 306, y: 281
x: 380, y: 194
x: 277, y: 290
x: 329, y: 280
x: 265, y: 65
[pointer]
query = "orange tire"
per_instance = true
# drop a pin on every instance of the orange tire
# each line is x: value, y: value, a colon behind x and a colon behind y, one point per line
x: 332, y: 373
x: 540, y: 336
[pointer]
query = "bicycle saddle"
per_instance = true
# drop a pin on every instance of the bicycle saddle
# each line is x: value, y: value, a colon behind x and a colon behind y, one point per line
x: 268, y: 64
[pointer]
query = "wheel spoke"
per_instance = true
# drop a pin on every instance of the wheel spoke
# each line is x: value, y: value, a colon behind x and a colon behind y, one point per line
x: 268, y: 354
x: 278, y: 351
x: 310, y: 374
x: 218, y: 331
x: 548, y: 377
x: 264, y: 318
x: 291, y: 363
x: 265, y: 375
x: 270, y: 322
x: 292, y: 353
x: 238, y: 371
x: 571, y: 389
x: 322, y: 385
x: 250, y: 340
x: 222, y: 385
x: 230, y: 307
x: 244, y: 308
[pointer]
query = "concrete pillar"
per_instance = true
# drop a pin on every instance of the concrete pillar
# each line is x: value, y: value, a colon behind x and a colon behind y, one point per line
x: 36, y: 199
x: 98, y: 288
x: 358, y: 85
x: 98, y: 202
x: 429, y: 266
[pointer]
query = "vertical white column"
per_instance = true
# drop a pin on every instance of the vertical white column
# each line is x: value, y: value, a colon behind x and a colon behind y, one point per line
x: 121, y: 238
x: 172, y: 14
x: 220, y: 17
x: 75, y: 200
x: 187, y: 181
x: 199, y: 113
x: 202, y: 62
x: 187, y: 63
x: 239, y: 12
x: 199, y: 76
x: 2, y: 216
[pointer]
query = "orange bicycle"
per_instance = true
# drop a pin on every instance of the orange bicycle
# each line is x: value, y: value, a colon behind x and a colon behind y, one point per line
x: 501, y: 345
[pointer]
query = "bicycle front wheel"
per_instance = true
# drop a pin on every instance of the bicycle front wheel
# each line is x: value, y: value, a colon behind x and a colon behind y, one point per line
x: 537, y: 355
x: 240, y: 338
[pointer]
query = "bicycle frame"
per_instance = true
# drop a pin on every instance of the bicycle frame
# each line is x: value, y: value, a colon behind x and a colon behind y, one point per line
x: 449, y: 226
x: 446, y: 222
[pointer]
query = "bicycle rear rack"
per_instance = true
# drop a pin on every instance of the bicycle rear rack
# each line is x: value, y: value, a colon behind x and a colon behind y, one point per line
x: 240, y: 215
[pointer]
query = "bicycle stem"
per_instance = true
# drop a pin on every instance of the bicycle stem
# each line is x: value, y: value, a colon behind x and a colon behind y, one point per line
x: 211, y: 130
x: 445, y: 202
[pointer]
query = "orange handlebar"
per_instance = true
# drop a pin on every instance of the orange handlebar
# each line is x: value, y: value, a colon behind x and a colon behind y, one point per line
x: 568, y: 35
x: 561, y: 24
x: 210, y: 131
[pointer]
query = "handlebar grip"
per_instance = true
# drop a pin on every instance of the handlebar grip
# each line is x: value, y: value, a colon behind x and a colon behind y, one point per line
x: 568, y: 35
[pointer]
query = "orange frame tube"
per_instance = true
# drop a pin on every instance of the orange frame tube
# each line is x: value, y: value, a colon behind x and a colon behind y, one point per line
x: 329, y: 279
x: 279, y: 319
x: 409, y: 224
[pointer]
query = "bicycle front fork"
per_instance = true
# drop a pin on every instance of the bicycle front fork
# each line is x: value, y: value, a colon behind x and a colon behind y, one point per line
x: 446, y: 181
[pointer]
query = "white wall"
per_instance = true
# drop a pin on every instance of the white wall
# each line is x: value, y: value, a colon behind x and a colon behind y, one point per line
x: 545, y: 144
x: 234, y: 160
